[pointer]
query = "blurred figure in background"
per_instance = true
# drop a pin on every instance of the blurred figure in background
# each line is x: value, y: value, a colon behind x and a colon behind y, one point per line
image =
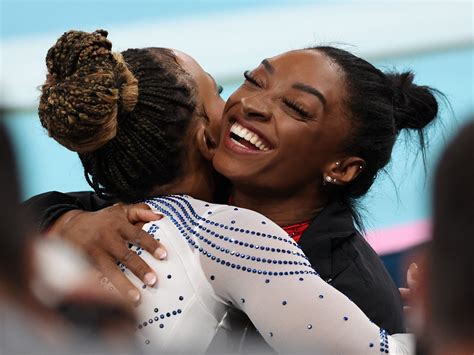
x: 442, y: 311
x: 450, y: 266
x: 45, y: 312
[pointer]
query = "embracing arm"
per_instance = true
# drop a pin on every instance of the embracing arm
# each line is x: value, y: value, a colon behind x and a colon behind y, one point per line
x: 45, y: 208
x: 101, y: 231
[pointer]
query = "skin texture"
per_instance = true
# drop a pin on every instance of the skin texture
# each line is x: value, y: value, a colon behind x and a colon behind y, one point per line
x: 211, y: 104
x: 286, y: 183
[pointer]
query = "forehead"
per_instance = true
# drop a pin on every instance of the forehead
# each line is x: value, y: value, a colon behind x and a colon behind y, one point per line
x: 310, y: 67
x: 189, y: 64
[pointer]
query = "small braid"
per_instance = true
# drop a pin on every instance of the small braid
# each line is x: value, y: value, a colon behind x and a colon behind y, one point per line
x: 145, y: 148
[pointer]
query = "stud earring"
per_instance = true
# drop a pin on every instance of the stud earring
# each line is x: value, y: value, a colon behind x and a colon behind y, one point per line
x: 329, y: 179
x: 338, y: 163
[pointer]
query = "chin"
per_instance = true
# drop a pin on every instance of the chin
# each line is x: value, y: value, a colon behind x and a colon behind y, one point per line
x: 227, y: 166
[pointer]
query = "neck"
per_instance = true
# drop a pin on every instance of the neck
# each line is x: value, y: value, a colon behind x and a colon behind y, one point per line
x: 284, y: 210
x: 197, y: 181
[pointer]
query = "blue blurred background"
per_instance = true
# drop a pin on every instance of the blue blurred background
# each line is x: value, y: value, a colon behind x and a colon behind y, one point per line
x: 435, y: 40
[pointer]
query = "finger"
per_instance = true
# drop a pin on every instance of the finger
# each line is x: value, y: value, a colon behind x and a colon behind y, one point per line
x: 142, y: 213
x: 109, y: 287
x: 97, y: 275
x: 405, y: 293
x: 134, y: 263
x: 108, y: 266
x: 412, y: 275
x: 139, y: 237
x: 407, y: 311
x: 103, y: 281
x: 141, y: 269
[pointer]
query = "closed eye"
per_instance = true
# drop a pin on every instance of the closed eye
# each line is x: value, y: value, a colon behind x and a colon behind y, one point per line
x: 295, y: 107
x: 252, y: 79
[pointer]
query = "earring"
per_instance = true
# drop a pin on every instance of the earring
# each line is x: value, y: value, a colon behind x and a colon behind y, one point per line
x: 338, y: 163
x: 328, y: 179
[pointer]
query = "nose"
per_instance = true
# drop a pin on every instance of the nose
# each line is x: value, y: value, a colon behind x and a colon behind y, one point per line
x: 254, y: 107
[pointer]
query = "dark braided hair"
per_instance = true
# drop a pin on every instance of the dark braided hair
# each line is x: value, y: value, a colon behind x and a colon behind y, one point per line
x: 379, y: 105
x: 125, y: 114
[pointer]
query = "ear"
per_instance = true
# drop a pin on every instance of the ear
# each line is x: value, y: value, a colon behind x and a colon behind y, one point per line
x: 205, y: 143
x: 344, y: 171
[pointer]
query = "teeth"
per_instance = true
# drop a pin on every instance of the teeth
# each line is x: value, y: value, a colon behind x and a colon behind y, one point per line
x: 249, y: 136
x: 238, y: 130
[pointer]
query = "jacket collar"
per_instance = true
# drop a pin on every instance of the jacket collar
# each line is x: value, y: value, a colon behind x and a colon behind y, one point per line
x: 332, y: 227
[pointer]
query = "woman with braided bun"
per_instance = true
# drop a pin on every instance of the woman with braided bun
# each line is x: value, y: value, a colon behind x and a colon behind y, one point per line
x: 297, y: 145
x: 90, y: 92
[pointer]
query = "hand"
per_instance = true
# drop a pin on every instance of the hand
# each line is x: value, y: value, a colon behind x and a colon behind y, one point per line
x: 408, y: 294
x: 104, y: 236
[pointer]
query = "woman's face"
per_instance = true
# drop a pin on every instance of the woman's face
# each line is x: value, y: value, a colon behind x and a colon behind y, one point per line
x: 284, y: 126
x: 210, y: 102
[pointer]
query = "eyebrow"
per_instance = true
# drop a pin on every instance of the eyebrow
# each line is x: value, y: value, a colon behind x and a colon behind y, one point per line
x: 310, y: 90
x: 268, y: 66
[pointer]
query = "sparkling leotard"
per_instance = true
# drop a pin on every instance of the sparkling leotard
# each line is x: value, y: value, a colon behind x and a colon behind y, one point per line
x: 222, y: 256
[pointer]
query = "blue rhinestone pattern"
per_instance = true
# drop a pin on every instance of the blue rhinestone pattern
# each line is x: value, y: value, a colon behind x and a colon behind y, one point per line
x: 384, y: 341
x: 192, y: 227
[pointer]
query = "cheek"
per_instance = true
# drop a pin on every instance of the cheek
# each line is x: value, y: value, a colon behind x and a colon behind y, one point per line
x: 297, y: 136
x: 214, y: 107
x: 215, y: 115
x: 234, y: 98
x: 302, y: 148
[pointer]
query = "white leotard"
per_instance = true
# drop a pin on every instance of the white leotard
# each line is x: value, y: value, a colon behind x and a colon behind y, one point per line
x: 222, y: 256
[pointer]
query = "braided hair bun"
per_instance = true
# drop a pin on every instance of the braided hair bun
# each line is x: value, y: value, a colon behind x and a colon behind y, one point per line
x: 86, y: 89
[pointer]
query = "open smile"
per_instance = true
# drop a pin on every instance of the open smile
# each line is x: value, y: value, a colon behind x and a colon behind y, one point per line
x: 246, y: 140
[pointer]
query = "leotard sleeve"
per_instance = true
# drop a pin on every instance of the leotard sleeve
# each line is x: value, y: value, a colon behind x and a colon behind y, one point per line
x: 253, y: 265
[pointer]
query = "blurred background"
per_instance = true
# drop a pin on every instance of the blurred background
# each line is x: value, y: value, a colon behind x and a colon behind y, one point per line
x: 434, y: 39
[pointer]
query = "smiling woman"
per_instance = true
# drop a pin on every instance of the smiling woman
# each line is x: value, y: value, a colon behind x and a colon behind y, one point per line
x: 327, y: 128
x: 328, y: 121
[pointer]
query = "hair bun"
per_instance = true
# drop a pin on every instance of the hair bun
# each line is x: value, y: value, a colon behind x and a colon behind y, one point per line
x: 76, y: 49
x: 83, y: 91
x: 414, y: 106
